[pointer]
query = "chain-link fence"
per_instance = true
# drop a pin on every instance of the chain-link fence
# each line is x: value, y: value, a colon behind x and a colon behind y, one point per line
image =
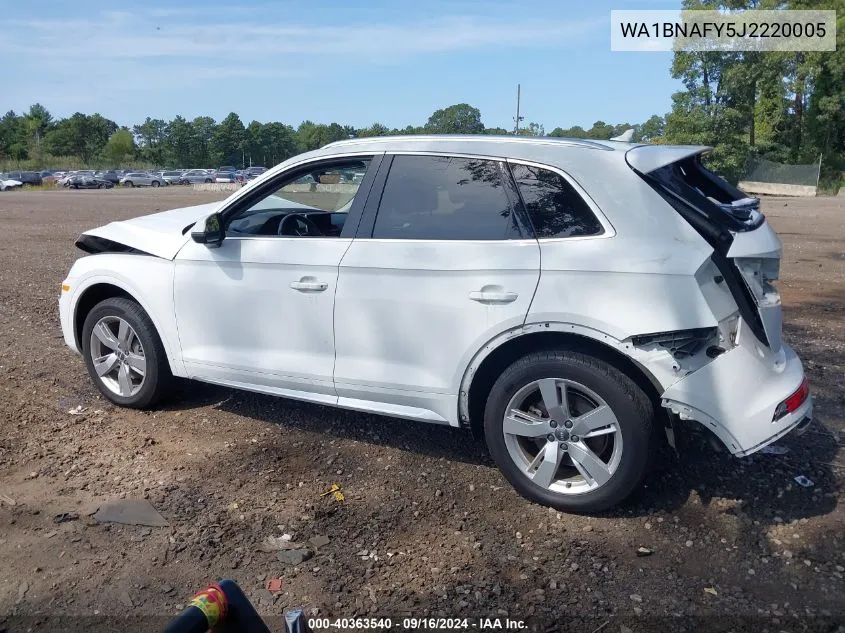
x: 761, y: 170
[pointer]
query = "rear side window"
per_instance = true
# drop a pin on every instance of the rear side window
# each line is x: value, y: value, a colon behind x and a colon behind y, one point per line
x: 555, y: 208
x: 445, y: 198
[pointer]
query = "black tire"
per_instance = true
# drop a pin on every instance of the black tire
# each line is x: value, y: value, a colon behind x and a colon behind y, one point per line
x: 155, y: 183
x: 158, y: 377
x: 207, y: 180
x: 128, y: 183
x: 632, y: 408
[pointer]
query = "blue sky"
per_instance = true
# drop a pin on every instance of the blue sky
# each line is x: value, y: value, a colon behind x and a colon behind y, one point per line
x: 350, y: 62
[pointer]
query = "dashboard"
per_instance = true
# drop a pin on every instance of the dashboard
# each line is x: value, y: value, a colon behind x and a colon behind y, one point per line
x: 269, y: 221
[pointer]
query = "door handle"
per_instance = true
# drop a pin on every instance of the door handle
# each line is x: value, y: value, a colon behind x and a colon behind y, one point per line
x: 493, y: 296
x: 309, y: 284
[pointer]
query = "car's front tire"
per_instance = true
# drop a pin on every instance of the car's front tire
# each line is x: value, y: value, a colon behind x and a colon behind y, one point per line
x: 569, y: 431
x: 124, y: 354
x: 155, y: 183
x: 128, y: 183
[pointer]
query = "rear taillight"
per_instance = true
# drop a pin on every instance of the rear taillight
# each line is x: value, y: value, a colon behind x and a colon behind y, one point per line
x: 793, y: 402
x: 759, y: 273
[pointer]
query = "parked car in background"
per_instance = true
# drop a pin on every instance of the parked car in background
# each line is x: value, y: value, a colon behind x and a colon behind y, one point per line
x: 88, y: 182
x: 193, y: 176
x: 7, y: 183
x: 254, y: 172
x: 61, y: 181
x: 142, y: 179
x: 227, y: 168
x: 172, y: 177
x: 111, y: 175
x: 225, y: 176
x: 28, y: 178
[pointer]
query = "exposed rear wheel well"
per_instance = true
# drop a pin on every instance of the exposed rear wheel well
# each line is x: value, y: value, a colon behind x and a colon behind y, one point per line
x: 504, y: 355
x: 91, y: 297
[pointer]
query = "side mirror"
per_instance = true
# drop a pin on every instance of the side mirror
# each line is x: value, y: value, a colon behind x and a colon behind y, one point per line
x: 209, y: 231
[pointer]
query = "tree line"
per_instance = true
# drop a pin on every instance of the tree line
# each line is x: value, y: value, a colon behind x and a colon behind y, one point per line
x: 788, y: 107
x: 37, y: 139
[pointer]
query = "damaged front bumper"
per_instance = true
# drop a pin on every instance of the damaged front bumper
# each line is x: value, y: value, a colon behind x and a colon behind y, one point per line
x: 737, y: 395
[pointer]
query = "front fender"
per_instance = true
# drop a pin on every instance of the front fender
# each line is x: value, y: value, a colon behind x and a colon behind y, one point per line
x: 147, y: 279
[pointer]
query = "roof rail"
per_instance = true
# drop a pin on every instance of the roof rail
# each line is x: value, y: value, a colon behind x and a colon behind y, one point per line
x: 494, y: 138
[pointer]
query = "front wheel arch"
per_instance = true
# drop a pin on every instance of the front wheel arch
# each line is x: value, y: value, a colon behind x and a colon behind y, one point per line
x: 91, y: 296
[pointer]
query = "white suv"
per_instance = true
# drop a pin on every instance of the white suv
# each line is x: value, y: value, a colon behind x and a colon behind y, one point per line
x: 573, y: 301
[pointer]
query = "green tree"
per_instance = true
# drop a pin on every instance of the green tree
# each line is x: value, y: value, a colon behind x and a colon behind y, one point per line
x: 227, y: 141
x: 532, y: 129
x: 651, y: 130
x: 312, y: 135
x: 279, y: 143
x: 573, y: 132
x: 37, y: 121
x: 120, y: 147
x: 178, y: 143
x: 376, y: 129
x: 461, y: 118
x: 80, y: 135
x: 13, y: 143
x: 202, y: 135
x: 152, y: 137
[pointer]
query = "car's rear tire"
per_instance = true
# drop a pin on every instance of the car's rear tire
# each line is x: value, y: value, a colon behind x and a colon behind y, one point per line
x: 562, y: 458
x: 128, y: 183
x: 155, y: 183
x: 207, y: 180
x: 124, y: 354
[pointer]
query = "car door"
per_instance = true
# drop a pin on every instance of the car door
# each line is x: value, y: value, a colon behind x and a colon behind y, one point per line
x: 257, y: 312
x: 442, y: 263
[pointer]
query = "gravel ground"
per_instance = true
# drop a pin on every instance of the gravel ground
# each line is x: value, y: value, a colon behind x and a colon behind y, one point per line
x: 428, y: 527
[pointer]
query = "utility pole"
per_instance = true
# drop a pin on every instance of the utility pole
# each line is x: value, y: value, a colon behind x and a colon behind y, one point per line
x: 517, y: 118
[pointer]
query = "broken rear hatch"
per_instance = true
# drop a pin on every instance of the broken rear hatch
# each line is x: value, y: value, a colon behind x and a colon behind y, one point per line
x: 746, y: 249
x: 159, y: 234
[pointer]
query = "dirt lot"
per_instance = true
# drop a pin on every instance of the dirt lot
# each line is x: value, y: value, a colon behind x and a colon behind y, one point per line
x: 428, y: 525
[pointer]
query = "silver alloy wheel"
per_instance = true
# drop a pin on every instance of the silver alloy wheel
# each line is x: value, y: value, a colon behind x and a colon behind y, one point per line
x: 118, y: 356
x: 562, y: 436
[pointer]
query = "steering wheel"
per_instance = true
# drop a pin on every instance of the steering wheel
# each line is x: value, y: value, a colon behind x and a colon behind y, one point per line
x: 303, y: 227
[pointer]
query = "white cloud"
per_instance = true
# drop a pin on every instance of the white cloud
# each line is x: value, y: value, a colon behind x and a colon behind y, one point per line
x: 125, y: 35
x: 126, y: 55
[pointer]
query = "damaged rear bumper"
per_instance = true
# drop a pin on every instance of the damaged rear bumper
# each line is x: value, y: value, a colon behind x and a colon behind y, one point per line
x: 737, y: 394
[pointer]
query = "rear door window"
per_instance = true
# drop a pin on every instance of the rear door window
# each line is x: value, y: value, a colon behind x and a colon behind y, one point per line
x: 445, y: 198
x: 556, y: 209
